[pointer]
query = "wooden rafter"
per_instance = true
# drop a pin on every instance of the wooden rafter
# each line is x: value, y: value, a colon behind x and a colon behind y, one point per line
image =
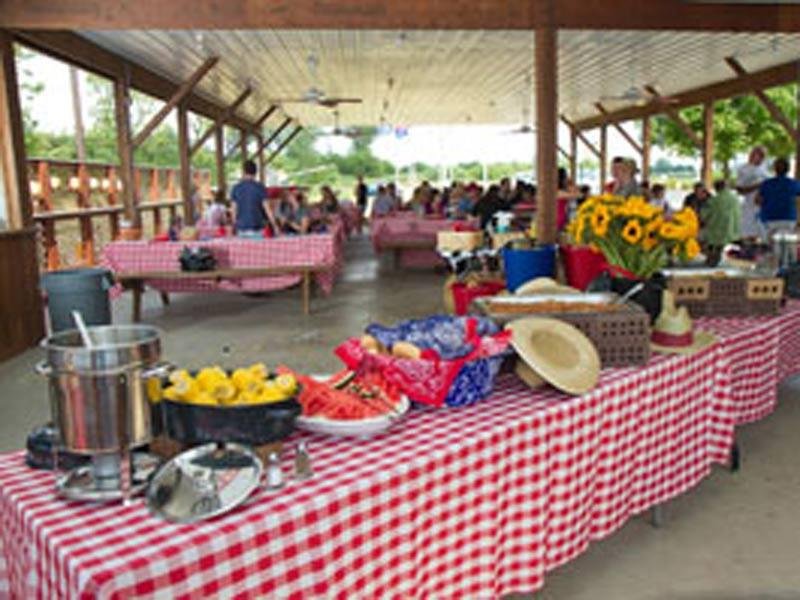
x: 180, y: 94
x: 646, y: 145
x: 564, y: 153
x: 707, y: 168
x: 738, y: 86
x: 256, y: 131
x: 675, y: 116
x: 74, y: 49
x: 220, y: 120
x: 283, y: 144
x: 581, y: 136
x: 272, y: 137
x: 634, y: 144
x: 388, y: 14
x: 773, y: 109
x: 263, y: 118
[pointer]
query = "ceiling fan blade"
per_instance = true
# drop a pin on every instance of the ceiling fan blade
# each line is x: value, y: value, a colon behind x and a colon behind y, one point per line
x: 333, y: 102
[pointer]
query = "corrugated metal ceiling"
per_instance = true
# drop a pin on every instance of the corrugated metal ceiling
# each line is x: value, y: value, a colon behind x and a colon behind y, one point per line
x: 442, y: 77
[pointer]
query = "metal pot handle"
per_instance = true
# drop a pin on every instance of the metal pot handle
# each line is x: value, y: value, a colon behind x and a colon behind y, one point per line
x: 43, y: 368
x: 160, y: 369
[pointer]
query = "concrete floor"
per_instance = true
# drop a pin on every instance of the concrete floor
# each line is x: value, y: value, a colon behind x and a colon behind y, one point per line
x: 736, y: 536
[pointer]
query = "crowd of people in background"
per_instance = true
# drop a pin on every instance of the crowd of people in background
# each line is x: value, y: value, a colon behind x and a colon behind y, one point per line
x: 756, y: 205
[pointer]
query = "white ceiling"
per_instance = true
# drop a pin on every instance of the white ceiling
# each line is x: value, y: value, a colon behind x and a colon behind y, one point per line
x: 441, y: 77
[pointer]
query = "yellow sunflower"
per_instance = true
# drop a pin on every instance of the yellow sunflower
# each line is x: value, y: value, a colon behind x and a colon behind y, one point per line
x: 632, y: 232
x: 692, y: 248
x: 600, y: 219
x: 651, y: 230
x: 686, y: 219
x: 670, y: 231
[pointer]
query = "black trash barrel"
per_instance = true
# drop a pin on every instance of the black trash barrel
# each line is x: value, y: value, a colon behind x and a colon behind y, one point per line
x: 84, y: 290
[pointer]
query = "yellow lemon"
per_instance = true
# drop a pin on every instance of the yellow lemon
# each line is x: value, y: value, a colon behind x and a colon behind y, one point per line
x: 180, y: 375
x: 172, y: 394
x: 223, y: 391
x: 202, y: 398
x: 271, y: 394
x: 241, y: 378
x: 286, y: 384
x: 186, y: 387
x: 249, y: 398
x: 154, y: 390
x: 259, y: 370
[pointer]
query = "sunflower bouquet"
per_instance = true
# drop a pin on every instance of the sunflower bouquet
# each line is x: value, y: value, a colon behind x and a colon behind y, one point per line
x: 634, y: 235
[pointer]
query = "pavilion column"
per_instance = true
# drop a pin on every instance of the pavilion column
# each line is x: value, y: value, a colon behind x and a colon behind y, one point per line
x: 122, y: 113
x: 219, y: 151
x: 573, y: 155
x: 261, y: 175
x: 603, y: 156
x: 546, y: 71
x: 243, y: 147
x: 708, y: 144
x: 797, y: 139
x: 186, y: 163
x: 646, y: 144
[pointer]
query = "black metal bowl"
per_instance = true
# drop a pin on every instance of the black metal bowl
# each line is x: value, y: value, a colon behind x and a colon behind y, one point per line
x: 254, y: 424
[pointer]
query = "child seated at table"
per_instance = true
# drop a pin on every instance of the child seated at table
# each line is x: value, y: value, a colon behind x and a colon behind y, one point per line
x: 216, y: 213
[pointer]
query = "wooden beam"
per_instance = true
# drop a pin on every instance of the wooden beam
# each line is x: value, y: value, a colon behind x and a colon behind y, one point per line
x: 546, y: 73
x: 272, y: 137
x: 184, y: 90
x: 13, y: 165
x: 260, y: 143
x: 573, y: 155
x: 797, y: 142
x: 675, y: 116
x: 243, y: 147
x: 563, y: 153
x: 707, y: 168
x: 773, y: 109
x: 219, y: 156
x: 634, y: 144
x: 263, y: 118
x: 646, y: 145
x: 74, y: 49
x: 386, y: 14
x: 729, y: 88
x: 122, y: 115
x: 186, y: 165
x: 581, y: 136
x: 603, y: 156
x: 283, y: 144
x: 220, y: 120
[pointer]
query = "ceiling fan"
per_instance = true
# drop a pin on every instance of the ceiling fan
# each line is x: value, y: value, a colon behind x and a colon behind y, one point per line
x: 634, y: 95
x: 350, y: 132
x: 525, y: 128
x: 314, y: 95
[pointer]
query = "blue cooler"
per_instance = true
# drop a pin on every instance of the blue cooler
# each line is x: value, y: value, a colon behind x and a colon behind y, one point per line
x: 529, y: 263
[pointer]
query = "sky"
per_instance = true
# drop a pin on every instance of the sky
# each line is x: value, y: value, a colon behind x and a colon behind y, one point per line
x: 434, y: 145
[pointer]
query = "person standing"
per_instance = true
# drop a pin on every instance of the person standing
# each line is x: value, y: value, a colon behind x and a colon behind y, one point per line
x: 361, y: 195
x: 721, y: 215
x: 251, y: 211
x: 777, y: 198
x: 748, y: 179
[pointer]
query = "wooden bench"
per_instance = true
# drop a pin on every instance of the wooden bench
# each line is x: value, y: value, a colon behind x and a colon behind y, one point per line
x: 135, y: 281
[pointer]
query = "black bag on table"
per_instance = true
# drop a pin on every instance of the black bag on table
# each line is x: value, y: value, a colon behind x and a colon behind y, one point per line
x: 197, y: 259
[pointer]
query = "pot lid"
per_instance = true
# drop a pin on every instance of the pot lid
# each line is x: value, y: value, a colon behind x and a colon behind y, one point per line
x: 204, y: 482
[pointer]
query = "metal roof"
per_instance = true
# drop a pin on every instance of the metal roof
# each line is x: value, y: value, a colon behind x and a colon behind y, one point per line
x: 441, y: 77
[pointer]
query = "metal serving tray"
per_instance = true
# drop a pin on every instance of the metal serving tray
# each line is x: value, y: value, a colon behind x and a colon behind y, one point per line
x: 484, y: 303
x: 709, y: 272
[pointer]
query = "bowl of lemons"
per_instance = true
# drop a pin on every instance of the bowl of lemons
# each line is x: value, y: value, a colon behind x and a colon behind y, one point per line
x: 248, y: 405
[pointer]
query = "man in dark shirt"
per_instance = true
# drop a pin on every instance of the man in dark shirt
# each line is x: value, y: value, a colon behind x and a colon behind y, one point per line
x: 251, y: 212
x: 361, y: 194
x: 777, y: 198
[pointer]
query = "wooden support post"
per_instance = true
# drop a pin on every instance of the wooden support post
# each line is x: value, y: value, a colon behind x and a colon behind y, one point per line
x: 16, y: 189
x: 603, y: 157
x: 180, y: 94
x: 261, y: 175
x: 579, y: 134
x: 797, y: 142
x: 646, y: 145
x: 272, y: 137
x: 125, y: 151
x: 243, y: 147
x: 219, y: 154
x: 573, y: 155
x: 220, y: 121
x: 707, y: 172
x: 283, y: 144
x: 186, y: 164
x: 628, y: 138
x: 675, y: 116
x: 546, y: 72
x: 773, y: 109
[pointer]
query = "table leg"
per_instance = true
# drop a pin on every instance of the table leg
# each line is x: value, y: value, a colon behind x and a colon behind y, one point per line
x: 736, y: 458
x: 165, y: 298
x: 306, y: 292
x: 397, y: 257
x: 657, y: 516
x: 138, y: 289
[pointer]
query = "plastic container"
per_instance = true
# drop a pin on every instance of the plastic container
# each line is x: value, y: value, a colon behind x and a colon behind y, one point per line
x: 84, y: 290
x: 582, y: 265
x: 529, y: 263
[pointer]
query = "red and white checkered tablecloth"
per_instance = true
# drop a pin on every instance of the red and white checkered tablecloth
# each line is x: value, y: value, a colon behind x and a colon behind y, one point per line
x: 762, y: 352
x: 409, y: 227
x: 474, y: 502
x: 319, y: 249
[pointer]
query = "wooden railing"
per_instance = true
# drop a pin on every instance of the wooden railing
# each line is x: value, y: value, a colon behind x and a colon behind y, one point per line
x: 79, y: 204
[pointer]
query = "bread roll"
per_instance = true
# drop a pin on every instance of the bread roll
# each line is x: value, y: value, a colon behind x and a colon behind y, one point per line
x: 406, y: 350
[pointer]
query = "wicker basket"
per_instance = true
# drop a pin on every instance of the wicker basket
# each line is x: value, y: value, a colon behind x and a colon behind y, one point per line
x: 458, y: 241
x: 728, y: 296
x: 501, y: 239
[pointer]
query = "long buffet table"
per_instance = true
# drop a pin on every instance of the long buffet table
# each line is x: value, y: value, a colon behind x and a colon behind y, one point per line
x: 472, y: 502
x: 410, y: 236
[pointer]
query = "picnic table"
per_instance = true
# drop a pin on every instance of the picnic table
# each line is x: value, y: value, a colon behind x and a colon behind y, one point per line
x: 243, y: 265
x: 411, y: 237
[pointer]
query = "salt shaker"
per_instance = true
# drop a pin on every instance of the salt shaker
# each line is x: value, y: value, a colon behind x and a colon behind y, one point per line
x: 274, y: 472
x: 302, y: 462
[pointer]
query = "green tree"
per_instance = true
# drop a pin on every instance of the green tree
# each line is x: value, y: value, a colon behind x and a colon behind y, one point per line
x: 739, y: 123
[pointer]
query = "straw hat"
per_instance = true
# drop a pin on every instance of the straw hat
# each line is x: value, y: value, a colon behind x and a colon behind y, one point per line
x: 673, y: 332
x: 543, y: 285
x: 556, y: 352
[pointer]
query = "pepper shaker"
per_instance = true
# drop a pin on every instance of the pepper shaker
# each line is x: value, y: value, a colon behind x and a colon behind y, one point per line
x: 302, y: 462
x: 274, y: 472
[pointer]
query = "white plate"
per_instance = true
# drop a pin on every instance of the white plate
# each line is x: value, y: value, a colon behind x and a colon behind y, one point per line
x: 349, y: 427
